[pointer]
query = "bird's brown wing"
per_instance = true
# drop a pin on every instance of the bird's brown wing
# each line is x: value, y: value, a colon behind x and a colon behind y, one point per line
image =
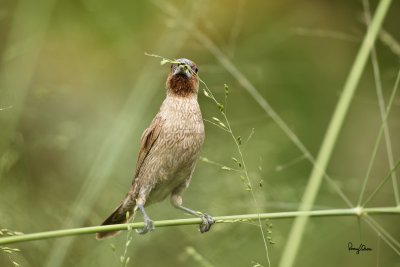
x: 149, y: 137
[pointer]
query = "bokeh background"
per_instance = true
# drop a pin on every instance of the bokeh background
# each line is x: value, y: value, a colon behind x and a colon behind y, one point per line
x: 77, y: 91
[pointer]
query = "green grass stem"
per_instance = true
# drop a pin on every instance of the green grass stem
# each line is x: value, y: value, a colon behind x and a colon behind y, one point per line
x: 192, y: 221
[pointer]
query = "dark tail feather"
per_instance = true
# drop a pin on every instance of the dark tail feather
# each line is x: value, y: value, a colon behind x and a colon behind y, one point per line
x: 117, y: 217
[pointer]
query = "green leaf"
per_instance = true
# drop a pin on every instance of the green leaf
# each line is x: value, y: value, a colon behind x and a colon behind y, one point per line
x: 204, y: 159
x: 226, y: 168
x: 222, y: 124
x: 206, y: 93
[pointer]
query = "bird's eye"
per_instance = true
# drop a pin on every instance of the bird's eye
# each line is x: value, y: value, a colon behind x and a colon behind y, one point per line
x: 196, y: 70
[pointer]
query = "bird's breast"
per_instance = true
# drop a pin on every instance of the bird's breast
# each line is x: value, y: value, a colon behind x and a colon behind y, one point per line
x: 183, y: 123
x: 177, y: 148
x: 182, y: 134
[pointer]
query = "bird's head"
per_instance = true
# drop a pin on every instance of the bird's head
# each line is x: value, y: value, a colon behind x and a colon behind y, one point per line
x: 183, y: 80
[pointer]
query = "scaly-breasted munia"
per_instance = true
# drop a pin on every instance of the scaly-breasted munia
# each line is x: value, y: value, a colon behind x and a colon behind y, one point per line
x: 168, y: 152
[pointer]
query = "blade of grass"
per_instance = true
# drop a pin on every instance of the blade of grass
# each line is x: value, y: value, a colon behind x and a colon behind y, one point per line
x: 328, y: 144
x: 200, y: 259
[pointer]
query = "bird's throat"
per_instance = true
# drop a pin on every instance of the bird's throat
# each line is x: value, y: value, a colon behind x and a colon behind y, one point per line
x: 181, y: 85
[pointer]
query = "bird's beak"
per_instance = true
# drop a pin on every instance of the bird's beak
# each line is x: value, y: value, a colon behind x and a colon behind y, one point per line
x: 182, y: 69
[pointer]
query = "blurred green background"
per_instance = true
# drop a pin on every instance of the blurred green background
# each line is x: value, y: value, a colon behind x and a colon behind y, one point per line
x: 78, y: 91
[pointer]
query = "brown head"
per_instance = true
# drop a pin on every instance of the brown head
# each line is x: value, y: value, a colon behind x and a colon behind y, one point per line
x: 183, y: 80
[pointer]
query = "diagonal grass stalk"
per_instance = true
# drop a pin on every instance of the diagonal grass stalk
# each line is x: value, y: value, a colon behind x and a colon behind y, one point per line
x: 191, y: 251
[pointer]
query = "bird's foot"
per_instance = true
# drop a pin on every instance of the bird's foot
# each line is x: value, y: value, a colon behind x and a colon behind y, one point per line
x: 208, y: 221
x: 148, y: 226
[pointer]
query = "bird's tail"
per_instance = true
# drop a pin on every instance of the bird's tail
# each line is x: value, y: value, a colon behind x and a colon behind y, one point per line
x: 120, y: 215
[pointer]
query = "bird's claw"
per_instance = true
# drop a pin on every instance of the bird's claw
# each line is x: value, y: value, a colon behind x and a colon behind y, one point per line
x: 148, y: 226
x: 208, y: 221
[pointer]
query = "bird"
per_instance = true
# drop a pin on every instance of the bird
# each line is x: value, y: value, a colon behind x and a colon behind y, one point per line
x: 169, y: 149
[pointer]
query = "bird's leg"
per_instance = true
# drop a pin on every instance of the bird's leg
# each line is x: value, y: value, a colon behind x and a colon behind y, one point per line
x: 148, y: 223
x: 208, y: 221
